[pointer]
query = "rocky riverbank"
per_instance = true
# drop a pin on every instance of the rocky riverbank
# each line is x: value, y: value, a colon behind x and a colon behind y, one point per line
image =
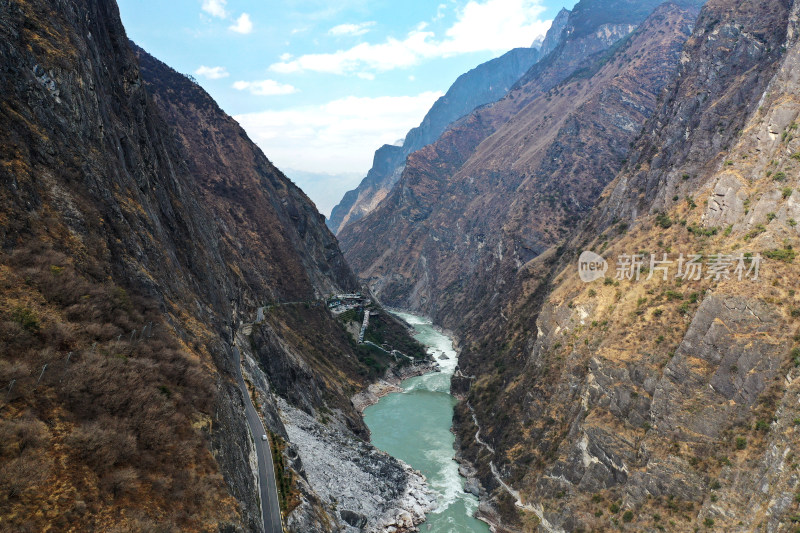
x: 390, y: 383
x: 368, y: 489
x: 343, y: 483
x: 486, y: 511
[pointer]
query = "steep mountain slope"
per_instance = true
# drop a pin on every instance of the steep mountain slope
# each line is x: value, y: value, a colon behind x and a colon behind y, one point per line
x: 484, y: 84
x: 506, y: 182
x: 272, y: 231
x: 141, y: 232
x: 663, y: 401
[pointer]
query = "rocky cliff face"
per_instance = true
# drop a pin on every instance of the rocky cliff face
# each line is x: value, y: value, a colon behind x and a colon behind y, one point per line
x: 555, y: 33
x: 504, y: 183
x: 664, y: 402
x: 140, y: 229
x: 272, y: 230
x: 484, y: 84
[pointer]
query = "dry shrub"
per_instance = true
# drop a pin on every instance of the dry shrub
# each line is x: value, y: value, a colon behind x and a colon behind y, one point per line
x: 28, y: 472
x: 12, y: 370
x: 59, y: 336
x: 140, y: 523
x: 120, y: 482
x: 103, y: 444
x: 129, y: 403
x: 19, y: 435
x: 25, y: 465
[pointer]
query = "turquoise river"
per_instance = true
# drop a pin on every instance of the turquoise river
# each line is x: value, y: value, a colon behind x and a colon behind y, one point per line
x: 414, y: 426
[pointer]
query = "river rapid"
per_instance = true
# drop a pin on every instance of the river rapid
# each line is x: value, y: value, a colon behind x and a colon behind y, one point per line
x: 414, y: 426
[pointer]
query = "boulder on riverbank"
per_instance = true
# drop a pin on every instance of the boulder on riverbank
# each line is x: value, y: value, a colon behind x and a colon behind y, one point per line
x: 374, y: 491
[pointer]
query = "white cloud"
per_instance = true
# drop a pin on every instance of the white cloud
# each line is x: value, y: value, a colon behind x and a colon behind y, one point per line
x: 381, y: 57
x: 440, y: 12
x: 212, y: 73
x: 264, y: 87
x: 215, y: 8
x: 351, y: 29
x: 366, y: 76
x: 339, y: 136
x: 286, y: 56
x: 492, y: 25
x: 496, y: 25
x: 243, y: 25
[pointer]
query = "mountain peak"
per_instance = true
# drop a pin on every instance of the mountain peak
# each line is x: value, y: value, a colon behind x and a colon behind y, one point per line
x: 553, y: 36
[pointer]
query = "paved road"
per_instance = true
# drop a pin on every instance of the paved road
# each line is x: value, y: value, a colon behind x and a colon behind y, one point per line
x: 270, y: 508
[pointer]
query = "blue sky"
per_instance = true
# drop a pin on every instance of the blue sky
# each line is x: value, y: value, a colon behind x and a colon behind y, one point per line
x: 321, y: 85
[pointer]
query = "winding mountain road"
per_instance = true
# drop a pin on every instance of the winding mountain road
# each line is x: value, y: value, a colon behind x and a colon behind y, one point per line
x: 270, y: 508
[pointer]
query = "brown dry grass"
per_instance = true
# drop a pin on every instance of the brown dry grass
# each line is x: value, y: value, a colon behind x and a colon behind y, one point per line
x: 110, y: 438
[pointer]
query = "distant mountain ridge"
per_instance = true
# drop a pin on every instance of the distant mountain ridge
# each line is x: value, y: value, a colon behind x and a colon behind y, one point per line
x: 484, y: 84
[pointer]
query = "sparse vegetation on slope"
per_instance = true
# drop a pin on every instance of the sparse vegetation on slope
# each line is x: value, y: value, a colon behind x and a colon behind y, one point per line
x: 101, y: 402
x: 693, y: 369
